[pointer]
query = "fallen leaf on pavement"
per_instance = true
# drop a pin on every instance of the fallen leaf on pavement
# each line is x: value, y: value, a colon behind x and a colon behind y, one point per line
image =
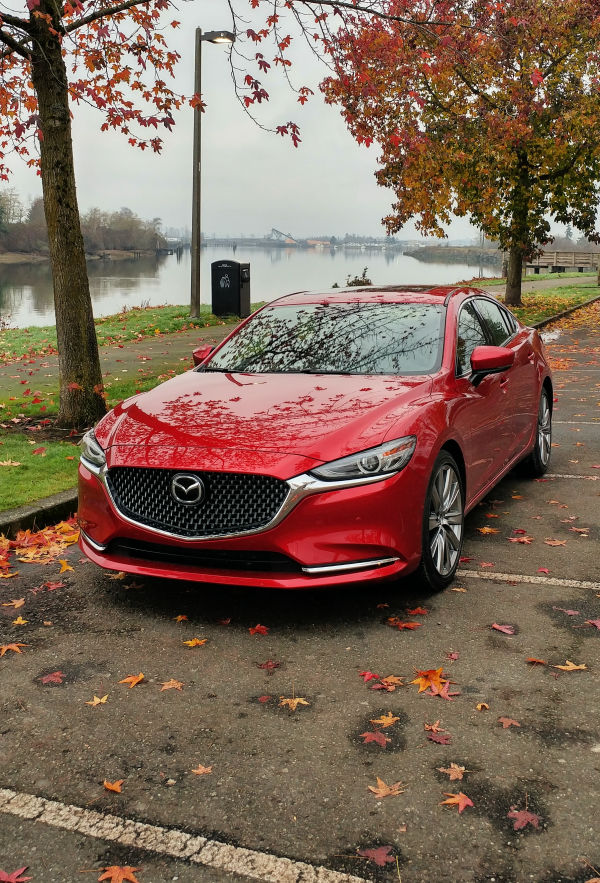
x: 397, y: 623
x: 505, y: 629
x: 508, y: 722
x: 4, y: 648
x: 433, y: 728
x: 97, y: 700
x: 15, y: 877
x: 202, y: 770
x: 555, y: 542
x: 181, y: 618
x: 16, y: 603
x: 482, y: 706
x: 487, y: 530
x: 388, y: 684
x: 443, y: 693
x: 533, y: 661
x: 454, y: 771
x: 522, y: 817
x: 374, y: 736
x: 571, y: 666
x: 383, y: 790
x: 114, y: 786
x: 417, y: 611
x: 368, y: 676
x: 431, y: 677
x: 381, y: 855
x: 119, y: 874
x: 386, y: 720
x: 269, y: 666
x: 64, y: 565
x: 20, y: 621
x: 55, y: 677
x: 132, y: 680
x: 259, y: 629
x: 195, y: 642
x: 292, y: 703
x: 460, y: 800
x: 439, y: 738
x: 171, y: 685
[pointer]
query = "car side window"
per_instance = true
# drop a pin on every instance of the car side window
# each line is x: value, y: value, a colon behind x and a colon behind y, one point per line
x: 495, y: 320
x: 470, y: 335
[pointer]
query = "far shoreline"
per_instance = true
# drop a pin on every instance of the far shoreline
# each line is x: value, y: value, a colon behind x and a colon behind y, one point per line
x: 10, y: 258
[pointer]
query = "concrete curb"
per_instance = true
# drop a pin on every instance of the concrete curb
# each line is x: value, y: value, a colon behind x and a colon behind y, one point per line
x: 52, y: 509
x: 39, y: 514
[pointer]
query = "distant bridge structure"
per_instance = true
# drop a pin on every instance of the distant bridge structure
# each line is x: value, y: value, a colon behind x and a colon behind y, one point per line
x: 282, y: 237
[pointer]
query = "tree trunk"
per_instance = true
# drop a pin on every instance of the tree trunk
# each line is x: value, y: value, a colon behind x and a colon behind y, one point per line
x: 81, y: 400
x: 512, y: 297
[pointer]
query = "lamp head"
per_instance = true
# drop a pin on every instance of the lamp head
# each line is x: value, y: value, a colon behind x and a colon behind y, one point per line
x: 218, y: 36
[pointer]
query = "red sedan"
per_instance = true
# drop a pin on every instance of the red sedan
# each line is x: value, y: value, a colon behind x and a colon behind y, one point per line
x: 331, y: 438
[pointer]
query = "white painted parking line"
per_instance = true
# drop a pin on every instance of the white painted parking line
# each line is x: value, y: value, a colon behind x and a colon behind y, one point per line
x: 168, y: 841
x: 576, y: 422
x: 586, y: 477
x: 522, y: 578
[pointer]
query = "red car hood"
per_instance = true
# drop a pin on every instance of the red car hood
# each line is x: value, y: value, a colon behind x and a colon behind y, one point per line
x: 321, y: 417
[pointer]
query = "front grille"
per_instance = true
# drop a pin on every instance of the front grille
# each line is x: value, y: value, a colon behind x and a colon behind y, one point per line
x: 215, y: 559
x: 232, y: 502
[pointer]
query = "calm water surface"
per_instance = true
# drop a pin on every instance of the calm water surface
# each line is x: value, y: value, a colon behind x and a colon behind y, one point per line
x: 26, y: 289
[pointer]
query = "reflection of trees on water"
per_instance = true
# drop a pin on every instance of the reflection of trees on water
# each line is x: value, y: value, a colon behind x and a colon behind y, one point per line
x: 28, y: 288
x: 359, y: 338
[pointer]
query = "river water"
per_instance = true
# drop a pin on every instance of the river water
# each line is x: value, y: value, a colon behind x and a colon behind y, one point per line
x: 26, y: 289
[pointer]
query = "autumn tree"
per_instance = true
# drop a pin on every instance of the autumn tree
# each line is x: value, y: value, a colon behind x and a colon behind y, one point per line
x: 489, y: 109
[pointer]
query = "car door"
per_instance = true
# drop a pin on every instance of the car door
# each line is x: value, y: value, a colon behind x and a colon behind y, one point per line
x: 479, y: 414
x: 520, y: 401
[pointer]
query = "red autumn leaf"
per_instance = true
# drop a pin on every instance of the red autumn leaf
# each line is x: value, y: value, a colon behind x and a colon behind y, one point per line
x: 15, y: 877
x: 531, y: 660
x: 39, y: 451
x: 519, y: 530
x: 374, y: 736
x: 368, y: 676
x: 440, y: 738
x: 505, y: 629
x: 397, y: 623
x: 486, y: 564
x: 381, y: 855
x: 74, y: 386
x: 56, y: 677
x: 269, y: 666
x: 259, y: 629
x: 568, y: 612
x: 543, y: 570
x: 594, y: 622
x: 51, y: 586
x: 460, y: 800
x: 453, y: 655
x: 443, y: 693
x: 417, y: 611
x: 522, y: 817
x: 508, y: 722
x: 264, y: 698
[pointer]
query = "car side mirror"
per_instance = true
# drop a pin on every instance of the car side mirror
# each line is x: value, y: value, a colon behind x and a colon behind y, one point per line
x: 490, y: 360
x: 202, y: 353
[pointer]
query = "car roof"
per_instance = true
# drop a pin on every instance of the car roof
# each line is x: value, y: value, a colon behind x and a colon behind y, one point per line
x: 425, y: 294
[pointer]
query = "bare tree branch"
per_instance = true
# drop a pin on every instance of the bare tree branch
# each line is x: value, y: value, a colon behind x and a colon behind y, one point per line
x: 103, y: 13
x: 14, y: 46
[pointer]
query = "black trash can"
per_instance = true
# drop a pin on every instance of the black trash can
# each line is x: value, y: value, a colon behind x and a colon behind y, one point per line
x: 230, y: 288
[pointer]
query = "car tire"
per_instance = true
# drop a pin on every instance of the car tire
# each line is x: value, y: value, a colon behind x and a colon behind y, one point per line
x: 537, y: 462
x: 443, y: 524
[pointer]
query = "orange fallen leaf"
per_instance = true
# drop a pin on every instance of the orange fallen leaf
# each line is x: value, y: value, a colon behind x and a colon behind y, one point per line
x: 118, y: 873
x: 293, y: 703
x: 180, y: 618
x: 195, y: 642
x: 482, y: 706
x: 433, y: 728
x: 171, y: 685
x: 383, y: 790
x: 64, y: 565
x: 120, y: 575
x: 487, y: 530
x: 202, y: 770
x: 386, y: 720
x: 113, y: 786
x: 431, y: 677
x: 4, y: 648
x: 16, y: 603
x: 97, y: 700
x: 533, y: 661
x: 454, y: 771
x: 458, y: 589
x: 555, y: 542
x: 20, y: 621
x: 460, y: 800
x: 132, y: 680
x: 570, y: 666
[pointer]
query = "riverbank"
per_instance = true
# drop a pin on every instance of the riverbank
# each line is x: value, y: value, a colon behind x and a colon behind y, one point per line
x: 18, y: 257
x: 455, y: 254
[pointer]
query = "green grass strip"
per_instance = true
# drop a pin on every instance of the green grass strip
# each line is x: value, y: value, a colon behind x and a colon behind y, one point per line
x: 38, y: 475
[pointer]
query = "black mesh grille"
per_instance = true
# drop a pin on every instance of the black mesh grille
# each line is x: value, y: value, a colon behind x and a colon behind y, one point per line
x: 232, y: 502
x: 215, y: 559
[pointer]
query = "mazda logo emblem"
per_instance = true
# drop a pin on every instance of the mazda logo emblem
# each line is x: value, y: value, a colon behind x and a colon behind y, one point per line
x: 187, y: 489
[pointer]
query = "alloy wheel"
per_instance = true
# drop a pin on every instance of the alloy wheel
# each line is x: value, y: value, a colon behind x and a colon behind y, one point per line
x: 445, y: 519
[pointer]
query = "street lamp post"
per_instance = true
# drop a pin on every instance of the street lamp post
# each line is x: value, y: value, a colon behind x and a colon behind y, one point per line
x: 211, y: 37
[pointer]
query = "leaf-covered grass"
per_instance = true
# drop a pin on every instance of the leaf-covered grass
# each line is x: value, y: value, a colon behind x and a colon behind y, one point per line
x: 550, y: 301
x: 129, y: 325
x: 531, y: 277
x: 38, y: 475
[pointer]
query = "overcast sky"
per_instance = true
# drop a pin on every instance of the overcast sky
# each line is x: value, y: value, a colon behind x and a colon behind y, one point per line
x: 251, y: 180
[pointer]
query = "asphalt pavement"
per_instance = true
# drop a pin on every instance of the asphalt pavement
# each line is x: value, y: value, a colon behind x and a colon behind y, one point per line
x: 223, y: 780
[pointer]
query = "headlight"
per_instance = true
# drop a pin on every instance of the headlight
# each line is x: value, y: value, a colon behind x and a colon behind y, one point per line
x: 386, y: 459
x: 91, y: 451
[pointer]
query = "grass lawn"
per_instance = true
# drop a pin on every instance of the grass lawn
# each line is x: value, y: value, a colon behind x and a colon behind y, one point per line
x: 531, y: 277
x: 128, y: 325
x: 52, y: 469
x: 42, y: 475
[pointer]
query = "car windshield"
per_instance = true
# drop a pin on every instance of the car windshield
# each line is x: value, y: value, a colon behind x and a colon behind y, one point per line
x: 334, y: 338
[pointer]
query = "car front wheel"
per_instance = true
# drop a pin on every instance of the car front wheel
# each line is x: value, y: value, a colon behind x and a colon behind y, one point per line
x: 443, y: 524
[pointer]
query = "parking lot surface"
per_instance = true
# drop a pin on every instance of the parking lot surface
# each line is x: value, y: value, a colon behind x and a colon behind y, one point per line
x: 258, y: 762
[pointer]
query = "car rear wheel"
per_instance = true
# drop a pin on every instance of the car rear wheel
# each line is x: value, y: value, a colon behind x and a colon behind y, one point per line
x: 443, y: 524
x: 537, y: 462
